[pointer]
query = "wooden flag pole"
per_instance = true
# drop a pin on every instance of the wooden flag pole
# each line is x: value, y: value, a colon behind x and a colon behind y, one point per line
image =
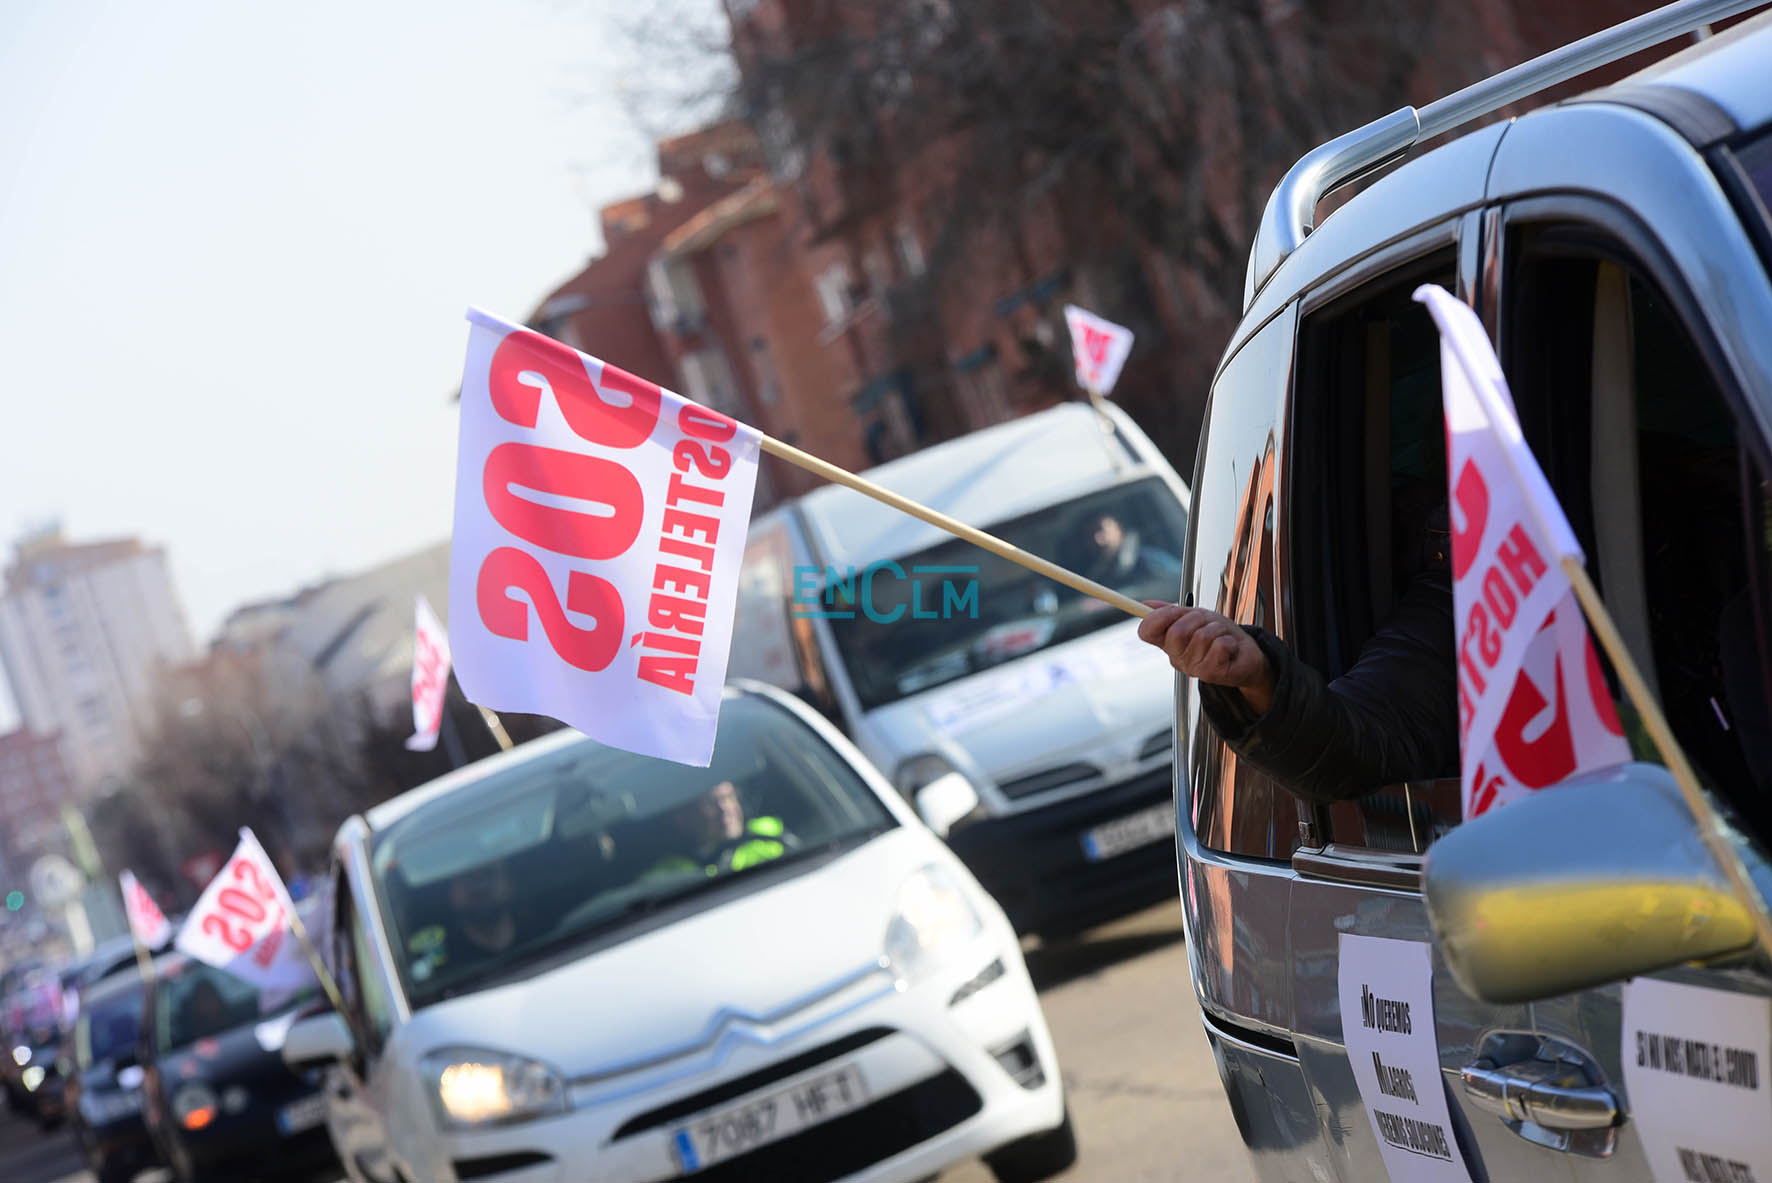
x: 143, y: 960
x: 1107, y: 430
x: 958, y: 529
x: 495, y: 725
x: 1709, y: 825
x: 314, y: 959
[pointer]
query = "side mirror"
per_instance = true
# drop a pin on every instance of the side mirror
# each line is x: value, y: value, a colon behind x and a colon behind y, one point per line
x: 944, y: 801
x: 318, y: 1042
x: 1601, y: 878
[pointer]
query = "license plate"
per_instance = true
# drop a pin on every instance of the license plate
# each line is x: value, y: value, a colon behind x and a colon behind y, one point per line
x: 305, y: 1114
x: 738, y: 1129
x: 1129, y: 833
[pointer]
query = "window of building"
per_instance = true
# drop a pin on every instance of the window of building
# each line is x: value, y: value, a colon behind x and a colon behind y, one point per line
x: 707, y: 379
x: 909, y: 249
x: 833, y: 285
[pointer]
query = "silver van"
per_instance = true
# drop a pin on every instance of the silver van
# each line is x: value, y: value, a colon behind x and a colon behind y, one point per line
x: 1618, y: 248
x: 1026, y: 721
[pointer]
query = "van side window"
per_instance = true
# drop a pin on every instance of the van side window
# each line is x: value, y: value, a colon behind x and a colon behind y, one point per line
x: 1366, y: 514
x: 1663, y: 487
x: 1235, y: 808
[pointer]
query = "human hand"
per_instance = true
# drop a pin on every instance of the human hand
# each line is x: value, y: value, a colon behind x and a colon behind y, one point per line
x: 1207, y: 646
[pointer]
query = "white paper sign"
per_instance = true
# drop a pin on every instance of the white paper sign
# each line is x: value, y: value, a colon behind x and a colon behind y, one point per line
x: 1533, y: 707
x: 599, y: 529
x: 1695, y: 1064
x: 430, y: 677
x: 996, y: 693
x: 1387, y: 1025
x: 241, y: 923
x: 1099, y: 347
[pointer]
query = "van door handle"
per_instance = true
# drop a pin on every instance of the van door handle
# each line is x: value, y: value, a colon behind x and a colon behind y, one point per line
x: 1548, y: 1093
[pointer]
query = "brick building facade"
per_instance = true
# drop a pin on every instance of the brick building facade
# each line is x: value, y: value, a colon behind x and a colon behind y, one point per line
x: 817, y: 278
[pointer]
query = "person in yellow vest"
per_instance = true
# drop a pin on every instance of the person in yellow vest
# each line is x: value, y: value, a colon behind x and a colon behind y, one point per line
x: 722, y: 837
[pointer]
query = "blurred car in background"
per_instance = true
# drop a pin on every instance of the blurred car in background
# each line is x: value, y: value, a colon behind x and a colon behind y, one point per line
x: 30, y: 1071
x: 569, y: 961
x: 105, y: 1089
x: 937, y: 657
x: 218, y: 1100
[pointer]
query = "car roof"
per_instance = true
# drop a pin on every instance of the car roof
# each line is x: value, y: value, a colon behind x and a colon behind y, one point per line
x: 109, y: 986
x: 382, y: 816
x: 1730, y: 69
x: 964, y: 478
x: 392, y: 810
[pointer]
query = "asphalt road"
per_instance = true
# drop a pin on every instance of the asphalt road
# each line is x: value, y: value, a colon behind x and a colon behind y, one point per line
x: 1144, y: 1094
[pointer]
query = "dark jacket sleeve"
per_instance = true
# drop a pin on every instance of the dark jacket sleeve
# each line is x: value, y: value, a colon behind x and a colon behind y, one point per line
x: 1392, y: 717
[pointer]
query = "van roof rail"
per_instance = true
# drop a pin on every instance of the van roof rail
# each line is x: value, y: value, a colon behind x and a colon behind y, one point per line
x: 1291, y: 211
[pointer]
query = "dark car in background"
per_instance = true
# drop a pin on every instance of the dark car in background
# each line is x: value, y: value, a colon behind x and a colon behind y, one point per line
x: 105, y: 1092
x: 30, y: 1069
x: 218, y: 1100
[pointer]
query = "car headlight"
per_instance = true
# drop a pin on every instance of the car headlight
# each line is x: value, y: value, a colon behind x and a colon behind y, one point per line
x: 32, y: 1077
x: 21, y: 1055
x: 931, y: 917
x: 194, y: 1105
x: 475, y: 1087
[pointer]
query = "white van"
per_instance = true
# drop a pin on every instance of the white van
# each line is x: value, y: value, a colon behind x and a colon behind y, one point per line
x: 935, y: 656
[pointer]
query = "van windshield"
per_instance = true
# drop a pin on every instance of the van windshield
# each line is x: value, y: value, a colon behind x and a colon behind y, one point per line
x: 574, y: 845
x: 953, y: 610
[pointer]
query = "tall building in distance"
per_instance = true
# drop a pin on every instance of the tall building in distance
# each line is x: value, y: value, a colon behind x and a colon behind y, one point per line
x: 85, y: 629
x: 34, y: 782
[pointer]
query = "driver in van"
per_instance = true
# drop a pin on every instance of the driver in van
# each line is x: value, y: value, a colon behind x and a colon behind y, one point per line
x: 721, y: 837
x: 1392, y: 717
x: 1107, y: 552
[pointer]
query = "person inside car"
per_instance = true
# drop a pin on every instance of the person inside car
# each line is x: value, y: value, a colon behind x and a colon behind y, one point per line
x: 485, y: 920
x: 203, y: 1012
x: 1107, y: 552
x: 720, y: 837
x: 1392, y: 717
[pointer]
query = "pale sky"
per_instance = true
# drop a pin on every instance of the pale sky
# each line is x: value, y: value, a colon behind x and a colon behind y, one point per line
x: 236, y: 244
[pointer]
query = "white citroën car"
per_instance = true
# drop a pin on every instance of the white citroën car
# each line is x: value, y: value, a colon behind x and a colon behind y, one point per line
x: 823, y: 992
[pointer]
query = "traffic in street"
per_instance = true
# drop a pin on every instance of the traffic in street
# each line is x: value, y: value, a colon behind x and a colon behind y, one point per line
x: 1137, y: 1069
x: 905, y: 593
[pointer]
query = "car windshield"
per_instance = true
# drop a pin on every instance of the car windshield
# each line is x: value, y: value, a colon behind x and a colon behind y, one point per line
x: 536, y: 859
x: 194, y: 1000
x: 953, y: 610
x: 109, y: 1026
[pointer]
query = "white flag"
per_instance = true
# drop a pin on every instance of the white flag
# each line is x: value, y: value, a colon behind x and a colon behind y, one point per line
x: 242, y: 923
x: 1533, y: 705
x: 146, y: 921
x: 599, y: 526
x: 1099, y: 347
x: 430, y: 678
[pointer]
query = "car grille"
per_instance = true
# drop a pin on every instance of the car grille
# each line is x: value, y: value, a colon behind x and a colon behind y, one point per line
x: 750, y: 1082
x: 1050, y: 778
x: 856, y: 1140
